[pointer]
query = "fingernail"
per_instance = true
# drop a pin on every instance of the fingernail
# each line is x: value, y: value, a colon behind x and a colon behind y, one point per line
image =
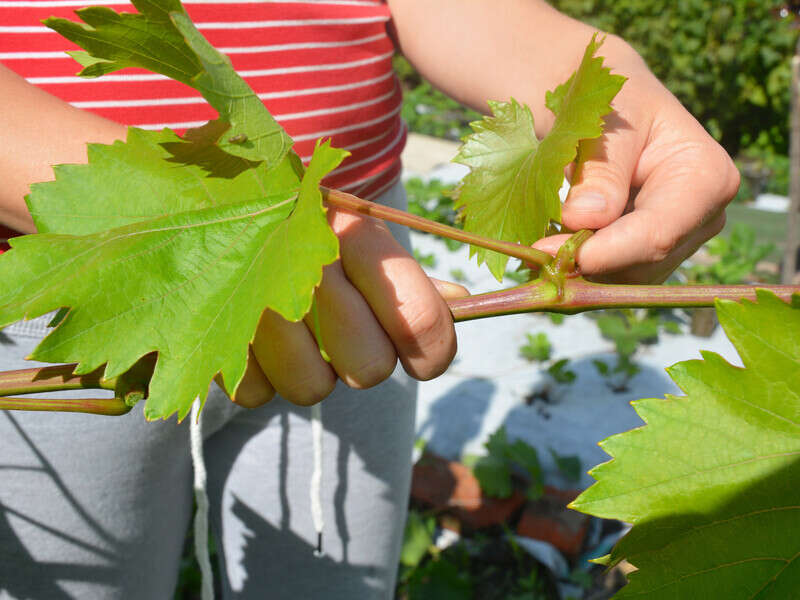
x: 449, y: 290
x: 588, y: 202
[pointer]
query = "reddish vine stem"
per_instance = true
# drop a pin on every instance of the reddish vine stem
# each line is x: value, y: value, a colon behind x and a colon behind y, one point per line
x: 54, y: 378
x: 112, y: 407
x: 580, y: 295
x: 344, y: 200
x: 557, y: 290
x: 51, y: 379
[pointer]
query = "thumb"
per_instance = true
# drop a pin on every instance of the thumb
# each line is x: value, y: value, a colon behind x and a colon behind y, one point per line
x: 601, y: 184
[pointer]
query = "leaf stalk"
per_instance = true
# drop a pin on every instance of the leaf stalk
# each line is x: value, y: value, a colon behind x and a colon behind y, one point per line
x: 344, y: 200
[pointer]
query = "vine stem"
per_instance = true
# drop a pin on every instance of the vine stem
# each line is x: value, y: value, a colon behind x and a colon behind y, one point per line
x: 112, y: 407
x: 344, y: 200
x: 579, y: 295
x: 58, y: 378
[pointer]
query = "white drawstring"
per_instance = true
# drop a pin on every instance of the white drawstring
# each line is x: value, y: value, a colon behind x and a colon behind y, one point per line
x: 316, y: 477
x: 201, y: 550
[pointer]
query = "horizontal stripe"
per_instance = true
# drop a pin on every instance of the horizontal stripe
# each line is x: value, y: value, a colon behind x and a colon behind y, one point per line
x: 250, y: 73
x: 330, y: 132
x: 355, y: 146
x: 349, y: 167
x: 230, y: 25
x: 334, y: 109
x: 300, y: 138
x: 33, y: 55
x: 79, y: 3
x: 300, y: 46
x: 384, y: 188
x: 326, y: 89
x: 361, y: 183
x: 322, y: 67
x: 230, y: 50
x: 288, y: 23
x: 90, y: 104
x: 183, y: 125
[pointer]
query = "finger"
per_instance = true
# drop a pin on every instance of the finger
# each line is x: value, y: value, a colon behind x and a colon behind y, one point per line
x: 448, y: 289
x: 254, y: 389
x: 678, y: 207
x: 360, y: 351
x: 289, y: 357
x: 401, y: 296
x: 601, y: 185
x: 659, y: 271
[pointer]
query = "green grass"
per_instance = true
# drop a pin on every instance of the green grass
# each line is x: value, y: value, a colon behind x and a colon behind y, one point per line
x: 769, y: 226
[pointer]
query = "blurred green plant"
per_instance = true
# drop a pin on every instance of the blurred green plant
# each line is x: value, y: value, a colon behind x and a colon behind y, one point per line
x: 459, y: 275
x: 503, y: 458
x: 736, y: 258
x: 560, y: 373
x: 426, y: 260
x: 569, y: 466
x: 429, y: 111
x: 537, y: 348
x: 629, y: 329
x: 728, y: 62
x: 432, y: 200
x: 479, y: 566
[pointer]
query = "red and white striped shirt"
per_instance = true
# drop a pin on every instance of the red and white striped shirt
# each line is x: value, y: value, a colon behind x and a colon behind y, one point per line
x: 323, y: 68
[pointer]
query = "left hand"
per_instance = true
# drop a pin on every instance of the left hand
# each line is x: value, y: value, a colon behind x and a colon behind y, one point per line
x: 655, y: 184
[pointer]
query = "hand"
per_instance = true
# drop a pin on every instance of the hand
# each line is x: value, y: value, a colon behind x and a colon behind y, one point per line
x: 654, y: 186
x: 375, y: 305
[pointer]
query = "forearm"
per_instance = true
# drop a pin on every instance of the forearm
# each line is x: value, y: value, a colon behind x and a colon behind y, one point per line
x: 38, y: 131
x: 476, y: 50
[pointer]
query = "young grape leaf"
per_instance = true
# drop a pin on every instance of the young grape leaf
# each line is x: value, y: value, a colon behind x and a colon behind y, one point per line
x: 189, y: 285
x: 711, y: 483
x: 162, y: 39
x: 511, y: 193
x: 152, y: 174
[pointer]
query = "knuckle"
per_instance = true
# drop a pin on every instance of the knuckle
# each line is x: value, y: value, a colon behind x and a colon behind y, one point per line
x: 437, y: 364
x: 661, y: 243
x: 718, y: 224
x: 372, y: 372
x: 248, y: 399
x: 732, y: 179
x: 604, y: 177
x: 309, y: 390
x: 423, y: 325
x: 719, y: 167
x: 433, y: 344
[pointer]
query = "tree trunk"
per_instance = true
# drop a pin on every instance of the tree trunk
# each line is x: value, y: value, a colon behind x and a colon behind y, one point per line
x: 790, y: 253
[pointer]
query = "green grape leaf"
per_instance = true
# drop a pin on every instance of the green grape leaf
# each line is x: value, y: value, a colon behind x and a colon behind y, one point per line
x: 711, y: 483
x: 162, y: 39
x: 511, y: 192
x: 568, y: 466
x: 417, y: 538
x: 494, y: 476
x: 537, y: 349
x: 188, y: 285
x: 493, y: 471
x: 152, y: 174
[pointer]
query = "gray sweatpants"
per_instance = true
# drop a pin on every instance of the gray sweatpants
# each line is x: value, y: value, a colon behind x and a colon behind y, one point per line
x: 97, y: 507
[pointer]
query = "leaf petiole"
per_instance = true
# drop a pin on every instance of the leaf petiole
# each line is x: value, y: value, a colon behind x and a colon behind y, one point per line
x: 344, y: 200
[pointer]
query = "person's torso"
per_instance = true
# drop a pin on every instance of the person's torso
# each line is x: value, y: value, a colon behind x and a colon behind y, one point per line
x: 322, y: 68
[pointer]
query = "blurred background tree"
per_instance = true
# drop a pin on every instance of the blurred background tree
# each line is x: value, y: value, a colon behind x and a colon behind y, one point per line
x: 727, y: 61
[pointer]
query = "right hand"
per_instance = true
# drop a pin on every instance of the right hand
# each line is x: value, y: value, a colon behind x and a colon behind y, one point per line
x: 375, y: 305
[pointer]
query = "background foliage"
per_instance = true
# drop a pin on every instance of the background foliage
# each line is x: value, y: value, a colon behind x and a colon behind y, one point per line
x: 727, y: 61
